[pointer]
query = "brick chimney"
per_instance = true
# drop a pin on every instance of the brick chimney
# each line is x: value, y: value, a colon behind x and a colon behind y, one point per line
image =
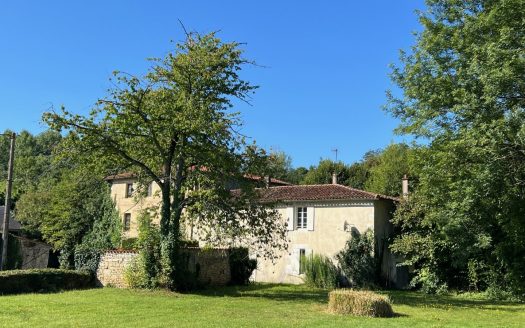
x: 334, y: 178
x: 405, y: 186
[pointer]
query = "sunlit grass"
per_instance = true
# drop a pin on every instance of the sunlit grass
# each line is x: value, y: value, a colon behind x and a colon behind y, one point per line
x: 251, y: 306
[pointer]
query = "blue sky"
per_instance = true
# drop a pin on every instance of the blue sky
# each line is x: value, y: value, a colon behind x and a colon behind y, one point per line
x: 324, y: 79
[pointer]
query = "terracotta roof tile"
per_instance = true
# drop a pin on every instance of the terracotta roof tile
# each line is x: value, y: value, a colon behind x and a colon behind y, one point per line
x: 316, y: 192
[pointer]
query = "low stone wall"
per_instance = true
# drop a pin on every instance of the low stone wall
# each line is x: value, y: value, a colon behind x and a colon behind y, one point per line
x: 112, y: 266
x: 211, y: 266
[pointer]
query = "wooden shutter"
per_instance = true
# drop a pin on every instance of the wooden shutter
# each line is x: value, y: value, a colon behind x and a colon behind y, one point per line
x: 290, y: 220
x: 310, y: 218
x: 295, y: 261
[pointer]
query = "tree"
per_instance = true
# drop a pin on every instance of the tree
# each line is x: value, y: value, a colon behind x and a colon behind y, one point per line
x: 464, y: 91
x: 322, y: 173
x: 386, y: 175
x: 175, y: 127
x: 73, y: 209
x: 33, y: 155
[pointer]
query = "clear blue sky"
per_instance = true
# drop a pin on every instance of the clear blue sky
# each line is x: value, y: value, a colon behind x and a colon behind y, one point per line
x: 326, y: 74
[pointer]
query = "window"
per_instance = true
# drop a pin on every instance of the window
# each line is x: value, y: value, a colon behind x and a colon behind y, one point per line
x: 127, y: 221
x: 302, y: 255
x: 129, y: 189
x: 302, y: 218
x: 150, y: 189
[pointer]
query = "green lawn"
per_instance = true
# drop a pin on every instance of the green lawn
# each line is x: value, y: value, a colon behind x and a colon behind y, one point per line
x: 252, y: 306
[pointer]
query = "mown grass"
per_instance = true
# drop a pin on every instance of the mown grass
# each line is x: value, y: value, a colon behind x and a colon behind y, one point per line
x: 251, y: 306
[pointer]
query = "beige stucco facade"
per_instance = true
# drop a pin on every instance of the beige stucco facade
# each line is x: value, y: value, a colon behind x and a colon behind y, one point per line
x: 132, y: 205
x: 327, y: 234
x: 330, y: 223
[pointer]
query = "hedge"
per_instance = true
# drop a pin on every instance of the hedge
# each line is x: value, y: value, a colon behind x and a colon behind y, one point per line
x: 360, y: 303
x: 43, y: 280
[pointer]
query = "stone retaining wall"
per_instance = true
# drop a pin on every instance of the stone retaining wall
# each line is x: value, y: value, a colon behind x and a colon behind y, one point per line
x: 211, y: 266
x: 112, y: 266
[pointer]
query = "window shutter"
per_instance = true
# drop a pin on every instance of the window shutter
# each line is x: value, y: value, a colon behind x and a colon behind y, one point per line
x: 290, y: 221
x: 310, y: 217
x: 295, y: 261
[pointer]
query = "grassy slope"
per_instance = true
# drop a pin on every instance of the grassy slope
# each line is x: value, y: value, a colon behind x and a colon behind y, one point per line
x: 253, y: 306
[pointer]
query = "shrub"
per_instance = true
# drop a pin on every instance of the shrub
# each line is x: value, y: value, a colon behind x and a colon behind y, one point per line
x: 429, y: 282
x: 145, y: 271
x: 357, y: 260
x: 241, y: 266
x: 86, y: 258
x: 43, y: 280
x: 135, y: 274
x: 129, y: 243
x: 361, y: 303
x: 320, y: 272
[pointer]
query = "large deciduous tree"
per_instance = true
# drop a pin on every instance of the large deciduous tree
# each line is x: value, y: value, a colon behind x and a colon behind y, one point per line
x: 175, y: 126
x: 464, y: 90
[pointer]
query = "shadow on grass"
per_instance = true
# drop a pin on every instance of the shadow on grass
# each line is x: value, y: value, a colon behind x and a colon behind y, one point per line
x: 289, y: 293
x: 418, y: 299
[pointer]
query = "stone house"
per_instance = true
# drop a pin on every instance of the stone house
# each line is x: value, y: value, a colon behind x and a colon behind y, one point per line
x: 319, y: 219
x: 33, y: 253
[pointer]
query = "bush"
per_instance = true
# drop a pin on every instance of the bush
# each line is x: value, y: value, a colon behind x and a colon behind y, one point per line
x: 241, y: 266
x: 361, y: 303
x: 43, y: 280
x: 357, y: 260
x: 86, y: 258
x: 428, y: 282
x: 135, y: 274
x: 320, y: 272
x: 129, y: 243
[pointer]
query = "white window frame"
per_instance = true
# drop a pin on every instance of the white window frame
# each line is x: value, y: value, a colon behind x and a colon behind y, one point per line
x: 128, y: 192
x: 301, y: 217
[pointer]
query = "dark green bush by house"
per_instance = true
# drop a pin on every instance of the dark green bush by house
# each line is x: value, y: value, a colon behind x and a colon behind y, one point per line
x: 241, y: 266
x: 43, y: 280
x: 357, y: 260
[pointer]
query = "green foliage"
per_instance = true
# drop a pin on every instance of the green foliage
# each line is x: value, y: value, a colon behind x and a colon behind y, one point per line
x: 34, y: 161
x: 385, y: 177
x: 76, y: 208
x: 357, y: 260
x: 322, y: 173
x: 241, y: 266
x: 43, y: 280
x: 359, y: 303
x: 176, y: 121
x: 135, y: 275
x: 129, y: 243
x: 320, y: 272
x: 463, y: 90
x: 105, y: 234
x: 148, y: 266
x: 429, y: 282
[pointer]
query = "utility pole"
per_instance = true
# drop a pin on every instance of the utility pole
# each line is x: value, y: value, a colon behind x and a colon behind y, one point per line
x: 7, y: 209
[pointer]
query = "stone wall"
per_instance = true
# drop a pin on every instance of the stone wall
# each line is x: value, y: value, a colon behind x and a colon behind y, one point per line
x: 211, y: 266
x: 112, y: 266
x: 35, y: 254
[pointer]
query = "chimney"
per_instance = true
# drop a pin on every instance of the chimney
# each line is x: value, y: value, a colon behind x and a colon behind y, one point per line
x: 405, y: 186
x: 267, y: 181
x: 334, y: 178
